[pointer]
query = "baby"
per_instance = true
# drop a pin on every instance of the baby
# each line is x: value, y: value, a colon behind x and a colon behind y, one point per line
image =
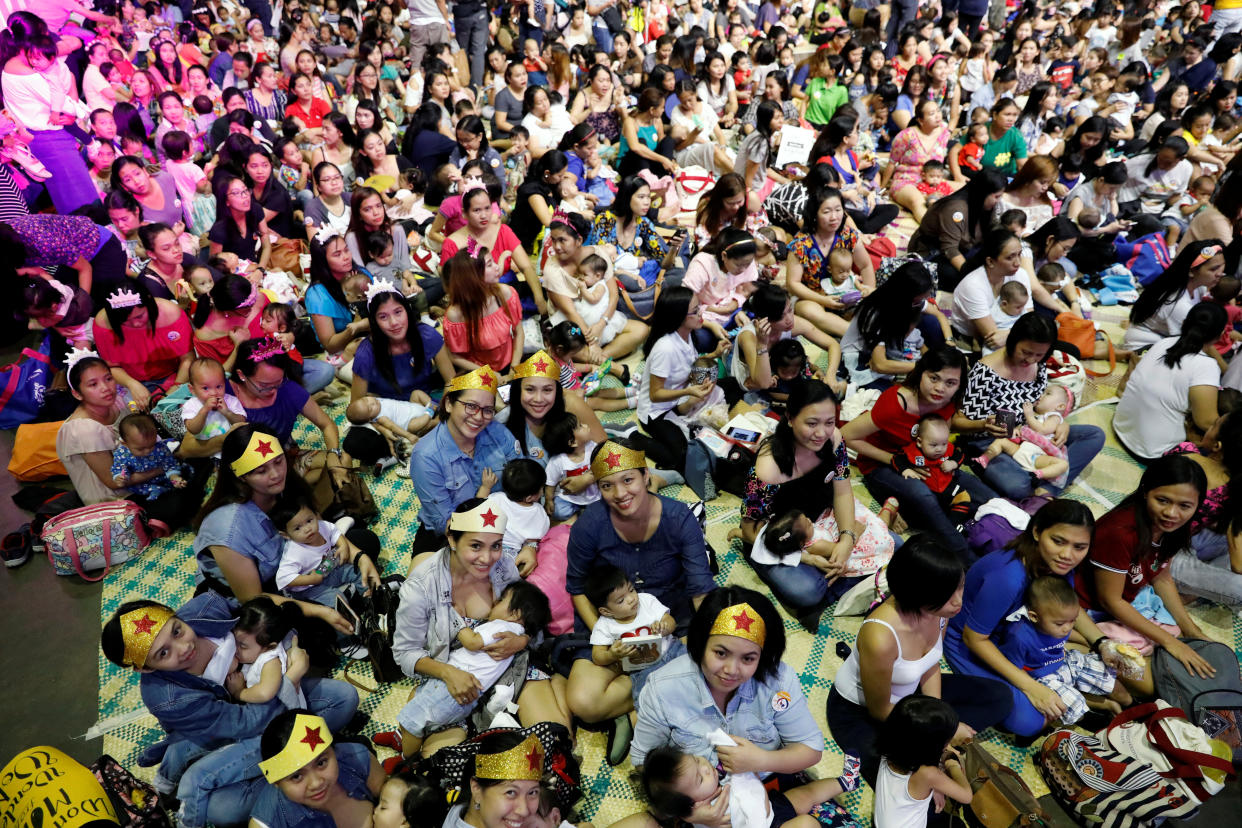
x: 268, y: 652
x: 842, y: 286
x: 318, y: 563
x: 211, y: 411
x: 197, y: 283
x: 142, y: 463
x: 1037, y: 645
x: 569, y: 447
x: 790, y: 365
x: 970, y: 156
x: 625, y: 613
x: 934, y: 184
x: 1088, y: 220
x: 575, y: 201
x: 522, y: 609
x: 1010, y: 305
x: 380, y: 253
x: 520, y: 498
x: 400, y: 423
x: 933, y: 453
x: 676, y: 784
x: 354, y: 286
x: 794, y: 533
x: 1032, y: 447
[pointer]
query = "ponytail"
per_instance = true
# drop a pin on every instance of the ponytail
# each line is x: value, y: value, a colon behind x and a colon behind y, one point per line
x: 1204, y: 324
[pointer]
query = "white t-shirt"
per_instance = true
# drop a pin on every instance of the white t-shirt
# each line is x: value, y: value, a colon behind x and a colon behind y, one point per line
x: 402, y: 411
x: 1151, y: 416
x: 562, y: 466
x: 300, y: 559
x: 479, y: 664
x: 608, y: 630
x: 1166, y: 321
x: 525, y: 521
x: 671, y: 358
x: 973, y: 298
x: 218, y: 668
x: 217, y: 424
x: 253, y: 673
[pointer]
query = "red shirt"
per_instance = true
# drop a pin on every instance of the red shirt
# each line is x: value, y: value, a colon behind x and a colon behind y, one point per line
x: 1115, y: 549
x: 896, y: 426
x: 314, y: 118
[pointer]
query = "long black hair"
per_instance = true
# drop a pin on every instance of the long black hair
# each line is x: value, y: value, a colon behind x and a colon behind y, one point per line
x: 226, y: 295
x: 1229, y: 433
x: 1203, y: 325
x: 722, y: 598
x: 380, y: 343
x: 230, y: 488
x: 781, y: 444
x: 1169, y: 285
x: 670, y: 311
x: 887, y: 315
x: 118, y: 316
x: 935, y: 360
x: 517, y: 415
x: 1169, y: 470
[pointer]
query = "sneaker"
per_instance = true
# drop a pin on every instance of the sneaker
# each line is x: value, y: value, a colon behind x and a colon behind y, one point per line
x: 344, y: 524
x: 15, y: 547
x: 382, y: 464
x: 502, y: 694
x: 390, y: 739
x: 403, y: 471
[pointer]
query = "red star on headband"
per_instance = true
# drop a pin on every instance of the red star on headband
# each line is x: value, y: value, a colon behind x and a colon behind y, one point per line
x: 542, y: 364
x: 144, y: 625
x: 312, y: 738
x: 264, y: 448
x: 614, y: 459
x: 534, y: 758
x: 487, y: 380
x: 489, y: 518
x: 742, y: 621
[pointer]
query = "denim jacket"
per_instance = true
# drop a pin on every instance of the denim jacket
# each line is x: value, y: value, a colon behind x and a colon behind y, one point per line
x: 427, y: 625
x: 675, y: 707
x: 194, y: 709
x: 274, y: 810
x: 445, y: 476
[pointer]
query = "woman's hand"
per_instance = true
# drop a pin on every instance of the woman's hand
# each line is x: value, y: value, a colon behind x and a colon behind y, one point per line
x: 506, y: 644
x: 1046, y: 701
x: 366, y: 569
x: 965, y: 733
x: 1061, y: 434
x: 526, y: 560
x: 1190, y: 659
x: 994, y: 427
x: 722, y: 348
x: 700, y: 392
x: 742, y: 757
x: 235, y: 682
x: 462, y: 686
x: 339, y: 622
x: 840, y: 555
x: 713, y: 814
x: 239, y: 335
x: 140, y: 395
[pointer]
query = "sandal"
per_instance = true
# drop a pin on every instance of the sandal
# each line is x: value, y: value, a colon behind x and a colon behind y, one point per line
x: 390, y: 739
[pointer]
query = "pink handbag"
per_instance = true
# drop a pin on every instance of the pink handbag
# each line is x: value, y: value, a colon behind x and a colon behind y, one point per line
x: 95, y: 537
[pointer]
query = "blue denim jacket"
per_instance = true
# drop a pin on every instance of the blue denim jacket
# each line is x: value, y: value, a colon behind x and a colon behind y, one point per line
x: 194, y: 709
x: 445, y: 476
x: 274, y: 810
x: 675, y: 707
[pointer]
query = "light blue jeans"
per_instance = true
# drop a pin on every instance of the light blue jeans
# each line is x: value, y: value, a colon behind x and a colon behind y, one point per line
x: 1205, y: 570
x: 316, y: 375
x: 1014, y: 482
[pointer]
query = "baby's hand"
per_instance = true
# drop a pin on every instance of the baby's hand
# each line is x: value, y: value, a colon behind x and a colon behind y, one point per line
x: 489, y: 478
x: 948, y: 466
x: 123, y: 477
x: 178, y: 481
x: 622, y: 650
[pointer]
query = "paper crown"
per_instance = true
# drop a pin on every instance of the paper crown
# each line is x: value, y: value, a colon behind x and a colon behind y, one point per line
x: 266, y: 349
x: 539, y: 365
x: 76, y: 355
x: 138, y: 630
x: 310, y: 737
x: 122, y: 298
x: 261, y: 448
x: 523, y: 761
x: 614, y: 457
x: 327, y: 233
x: 378, y: 288
x: 482, y: 518
x: 480, y: 379
x: 740, y: 621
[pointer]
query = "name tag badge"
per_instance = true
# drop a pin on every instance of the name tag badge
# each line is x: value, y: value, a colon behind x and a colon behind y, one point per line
x: 781, y: 701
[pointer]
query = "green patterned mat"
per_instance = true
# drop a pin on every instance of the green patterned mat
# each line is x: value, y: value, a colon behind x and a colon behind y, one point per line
x: 166, y: 573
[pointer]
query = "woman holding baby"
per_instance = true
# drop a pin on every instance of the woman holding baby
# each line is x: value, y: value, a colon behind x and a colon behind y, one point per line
x: 482, y: 233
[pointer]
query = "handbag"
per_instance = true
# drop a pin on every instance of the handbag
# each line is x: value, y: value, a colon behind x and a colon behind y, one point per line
x: 1000, y: 799
x: 34, y: 453
x: 352, y: 498
x: 136, y: 803
x: 95, y: 537
x: 27, y: 380
x: 287, y: 256
x: 1081, y: 333
x: 1065, y: 370
x: 639, y: 303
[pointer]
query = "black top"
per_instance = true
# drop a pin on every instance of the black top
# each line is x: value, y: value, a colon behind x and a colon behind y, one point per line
x: 276, y: 198
x: 523, y: 221
x: 428, y: 150
x: 227, y: 234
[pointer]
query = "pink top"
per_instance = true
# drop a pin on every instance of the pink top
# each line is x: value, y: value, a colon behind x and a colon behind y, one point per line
x: 494, y: 346
x: 715, y: 287
x: 220, y: 349
x: 908, y: 155
x: 506, y: 241
x: 454, y: 218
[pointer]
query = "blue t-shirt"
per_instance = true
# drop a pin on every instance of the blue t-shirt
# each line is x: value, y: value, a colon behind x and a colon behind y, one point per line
x: 280, y: 416
x: 1035, y: 652
x: 319, y: 301
x: 409, y: 377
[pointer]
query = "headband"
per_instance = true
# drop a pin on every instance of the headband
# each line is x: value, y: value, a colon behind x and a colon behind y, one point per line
x: 138, y: 630
x: 122, y: 298
x: 327, y: 233
x: 1205, y: 254
x: 75, y: 356
x: 267, y: 348
x: 378, y: 288
x: 482, y: 518
x: 480, y: 379
x: 539, y: 365
x: 563, y: 217
x: 310, y: 737
x: 613, y: 458
x: 249, y: 300
x: 261, y: 448
x: 740, y: 621
x: 523, y: 761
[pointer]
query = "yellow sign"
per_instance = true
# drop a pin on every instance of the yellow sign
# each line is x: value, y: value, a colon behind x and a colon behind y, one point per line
x: 45, y: 788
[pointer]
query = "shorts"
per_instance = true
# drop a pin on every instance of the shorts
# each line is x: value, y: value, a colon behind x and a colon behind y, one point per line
x: 1081, y: 673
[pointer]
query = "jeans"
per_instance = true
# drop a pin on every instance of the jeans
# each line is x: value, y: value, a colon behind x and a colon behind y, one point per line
x: 603, y: 37
x: 1014, y: 482
x: 921, y: 508
x: 335, y: 583
x: 432, y: 708
x: 979, y: 702
x: 472, y: 37
x: 1205, y: 569
x: 562, y: 509
x: 802, y: 586
x: 317, y: 375
x: 904, y: 12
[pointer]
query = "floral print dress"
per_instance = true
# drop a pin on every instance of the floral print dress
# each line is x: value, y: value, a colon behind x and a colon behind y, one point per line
x: 815, y: 261
x: 761, y: 498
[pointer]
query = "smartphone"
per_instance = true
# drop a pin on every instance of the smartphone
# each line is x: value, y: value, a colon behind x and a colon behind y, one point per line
x: 743, y: 435
x: 346, y: 611
x: 1008, y: 418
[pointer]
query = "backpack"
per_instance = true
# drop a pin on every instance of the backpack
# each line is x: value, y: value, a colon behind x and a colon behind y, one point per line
x: 1215, y: 703
x: 1111, y: 779
x: 136, y: 803
x: 1146, y: 257
x: 95, y: 537
x: 24, y: 384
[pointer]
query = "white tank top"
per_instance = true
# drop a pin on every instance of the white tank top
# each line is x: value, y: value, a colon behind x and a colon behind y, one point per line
x: 906, y: 673
x: 894, y: 807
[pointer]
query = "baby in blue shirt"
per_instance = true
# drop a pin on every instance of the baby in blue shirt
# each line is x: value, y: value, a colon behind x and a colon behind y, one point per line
x: 1037, y: 645
x: 142, y: 463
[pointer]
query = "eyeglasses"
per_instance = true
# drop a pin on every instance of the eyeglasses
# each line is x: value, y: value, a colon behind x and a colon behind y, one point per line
x: 239, y: 192
x: 269, y: 387
x: 330, y: 179
x: 475, y: 410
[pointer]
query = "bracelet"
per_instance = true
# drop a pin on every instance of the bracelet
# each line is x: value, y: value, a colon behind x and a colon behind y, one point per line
x: 761, y: 352
x: 849, y: 532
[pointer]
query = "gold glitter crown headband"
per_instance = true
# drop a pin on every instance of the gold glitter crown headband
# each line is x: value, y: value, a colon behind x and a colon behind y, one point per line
x: 480, y: 379
x: 740, y: 621
x: 523, y: 761
x: 614, y: 457
x: 310, y: 737
x: 138, y: 630
x: 539, y: 365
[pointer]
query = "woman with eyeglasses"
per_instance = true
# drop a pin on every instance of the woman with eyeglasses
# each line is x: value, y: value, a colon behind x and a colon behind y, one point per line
x: 241, y: 228
x: 462, y: 457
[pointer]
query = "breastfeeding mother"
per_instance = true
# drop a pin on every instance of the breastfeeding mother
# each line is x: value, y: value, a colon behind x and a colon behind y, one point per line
x: 1055, y: 542
x: 731, y: 679
x: 536, y: 398
x: 935, y: 386
x: 448, y: 590
x: 447, y: 465
x: 187, y: 682
x: 237, y: 546
x: 897, y: 654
